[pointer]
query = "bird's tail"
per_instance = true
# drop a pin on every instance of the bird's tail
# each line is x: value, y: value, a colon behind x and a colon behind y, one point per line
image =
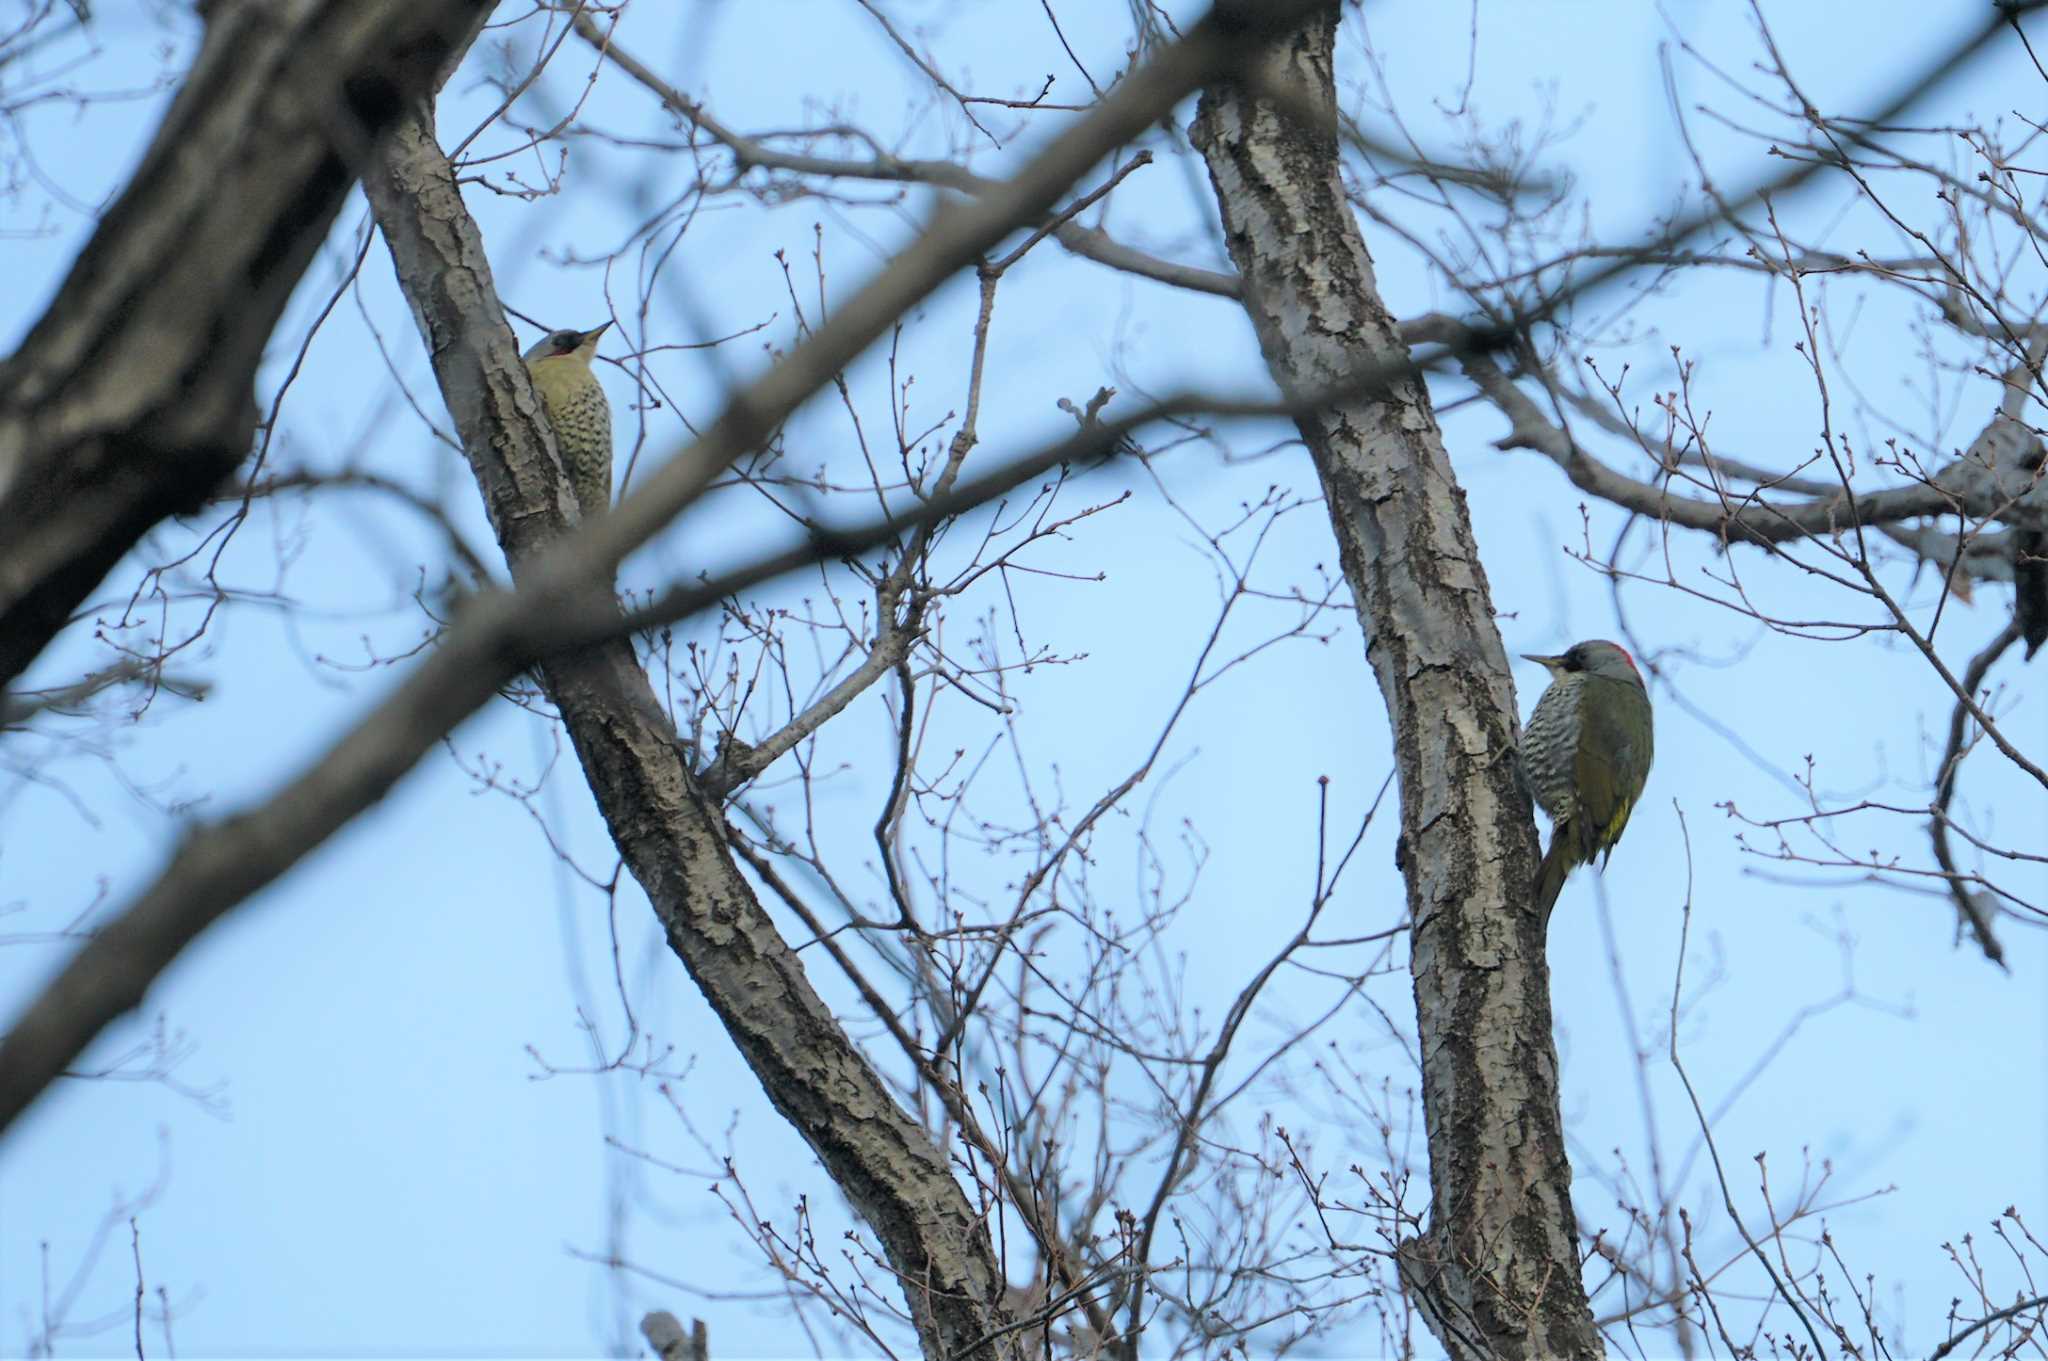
x: 1557, y: 863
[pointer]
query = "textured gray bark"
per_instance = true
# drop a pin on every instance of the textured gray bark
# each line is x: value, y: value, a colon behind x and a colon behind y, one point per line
x: 1497, y: 1273
x: 671, y: 835
x: 133, y: 397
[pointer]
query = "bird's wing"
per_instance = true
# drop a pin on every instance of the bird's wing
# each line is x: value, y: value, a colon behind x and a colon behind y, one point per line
x: 1618, y: 723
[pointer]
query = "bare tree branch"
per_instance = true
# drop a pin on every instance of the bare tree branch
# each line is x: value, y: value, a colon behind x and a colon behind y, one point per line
x: 748, y: 153
x: 1977, y: 910
x: 1737, y: 516
x: 675, y: 835
x: 133, y: 397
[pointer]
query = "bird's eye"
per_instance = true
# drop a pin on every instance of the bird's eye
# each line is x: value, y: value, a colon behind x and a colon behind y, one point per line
x: 566, y: 341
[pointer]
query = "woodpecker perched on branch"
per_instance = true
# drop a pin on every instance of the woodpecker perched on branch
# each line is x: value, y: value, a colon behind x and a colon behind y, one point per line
x: 1586, y: 753
x: 577, y: 409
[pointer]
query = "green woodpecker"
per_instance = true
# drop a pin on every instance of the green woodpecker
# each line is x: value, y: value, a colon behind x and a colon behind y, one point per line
x: 1586, y: 753
x: 576, y: 408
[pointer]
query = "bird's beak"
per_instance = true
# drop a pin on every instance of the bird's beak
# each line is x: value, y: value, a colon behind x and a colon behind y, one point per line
x: 1549, y: 663
x: 589, y: 336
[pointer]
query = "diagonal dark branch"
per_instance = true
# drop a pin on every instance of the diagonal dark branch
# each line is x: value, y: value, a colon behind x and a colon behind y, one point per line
x: 1995, y: 1316
x: 526, y: 495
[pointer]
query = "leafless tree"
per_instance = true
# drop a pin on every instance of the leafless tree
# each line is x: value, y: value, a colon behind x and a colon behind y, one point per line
x: 987, y: 1045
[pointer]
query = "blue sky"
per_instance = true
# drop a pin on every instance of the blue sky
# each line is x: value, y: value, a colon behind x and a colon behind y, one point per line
x: 392, y: 1173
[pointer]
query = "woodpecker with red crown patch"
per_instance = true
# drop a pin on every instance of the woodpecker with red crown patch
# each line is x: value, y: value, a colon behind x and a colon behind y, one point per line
x: 1586, y: 755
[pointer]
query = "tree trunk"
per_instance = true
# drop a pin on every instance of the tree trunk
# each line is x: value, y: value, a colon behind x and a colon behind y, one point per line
x: 134, y: 396
x: 1497, y: 1272
x: 671, y: 835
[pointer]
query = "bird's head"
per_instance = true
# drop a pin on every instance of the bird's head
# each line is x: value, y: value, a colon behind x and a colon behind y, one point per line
x: 1594, y: 657
x: 578, y: 346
